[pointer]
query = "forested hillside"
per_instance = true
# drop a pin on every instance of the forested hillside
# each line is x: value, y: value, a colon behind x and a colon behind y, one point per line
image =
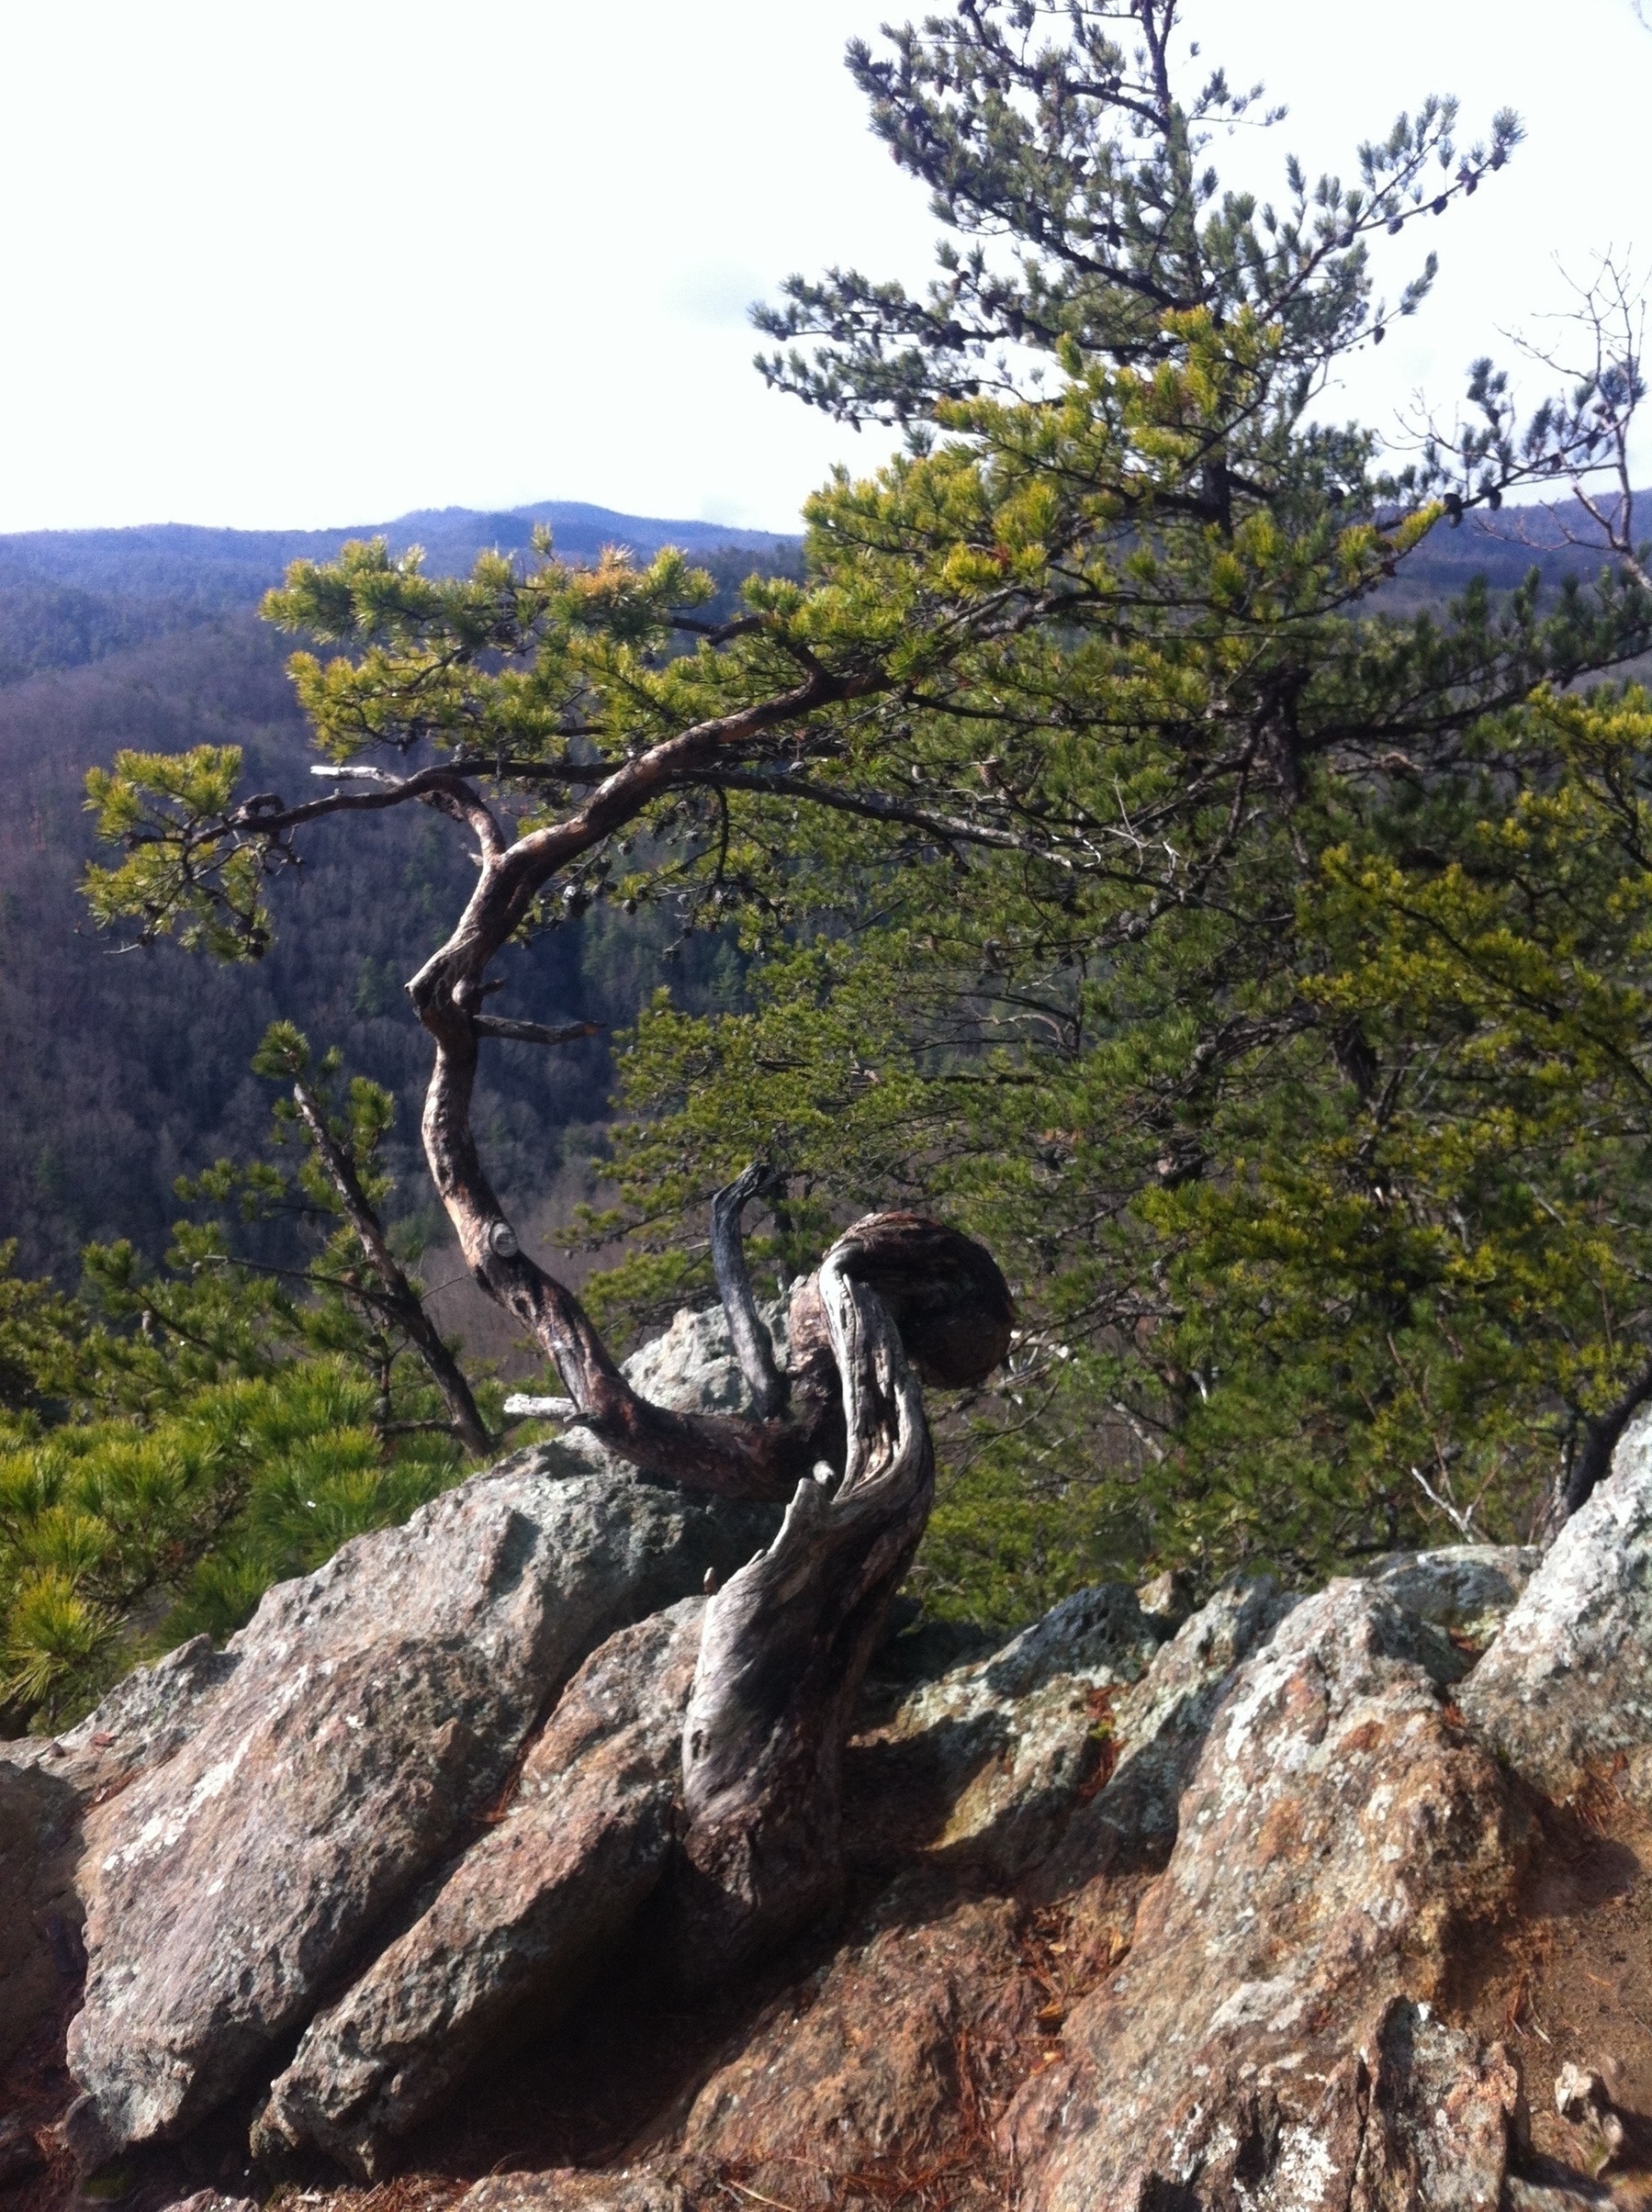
x: 120, y: 1072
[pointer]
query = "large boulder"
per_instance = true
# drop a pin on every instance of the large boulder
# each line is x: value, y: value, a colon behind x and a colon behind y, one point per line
x: 522, y: 1920
x: 986, y: 1765
x: 1564, y: 1690
x: 1337, y: 1832
x: 1157, y: 1729
x: 355, y: 1733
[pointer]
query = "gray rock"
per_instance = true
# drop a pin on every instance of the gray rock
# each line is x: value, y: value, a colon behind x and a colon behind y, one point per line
x: 1168, y: 1600
x: 367, y: 1712
x: 1565, y: 1687
x: 50, y: 1792
x: 987, y: 1763
x: 1469, y: 1587
x: 572, y: 2189
x: 1441, y: 2112
x: 1157, y: 1729
x: 1336, y: 1834
x: 520, y: 1922
x: 692, y: 1368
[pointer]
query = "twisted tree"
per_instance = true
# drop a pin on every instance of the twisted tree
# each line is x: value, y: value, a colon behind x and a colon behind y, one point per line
x: 1084, y: 658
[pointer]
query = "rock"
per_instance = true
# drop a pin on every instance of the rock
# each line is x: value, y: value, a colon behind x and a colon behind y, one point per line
x: 1157, y: 1729
x: 870, y: 2069
x: 1441, y: 2114
x: 48, y: 1787
x: 986, y: 1765
x: 1337, y: 1832
x: 520, y: 1922
x: 1567, y: 1685
x: 1465, y: 1588
x: 1548, y: 2188
x: 1583, y: 2098
x: 366, y: 1714
x: 1168, y: 1600
x: 571, y: 2189
x: 692, y: 1368
x: 148, y: 1715
x: 40, y: 1955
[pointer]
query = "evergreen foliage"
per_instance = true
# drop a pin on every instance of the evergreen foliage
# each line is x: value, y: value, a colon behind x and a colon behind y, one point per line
x: 1258, y: 973
x: 179, y: 1439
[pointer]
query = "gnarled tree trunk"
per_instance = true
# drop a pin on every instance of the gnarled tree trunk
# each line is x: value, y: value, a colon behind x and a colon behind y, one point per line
x: 785, y: 1647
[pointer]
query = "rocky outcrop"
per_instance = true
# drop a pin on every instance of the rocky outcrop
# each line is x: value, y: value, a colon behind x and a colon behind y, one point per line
x: 353, y: 1732
x: 985, y: 1765
x: 1336, y: 1831
x: 1566, y: 1691
x: 1145, y: 1911
x: 1466, y: 1589
x: 523, y: 1918
x: 1157, y: 1730
x: 48, y: 1788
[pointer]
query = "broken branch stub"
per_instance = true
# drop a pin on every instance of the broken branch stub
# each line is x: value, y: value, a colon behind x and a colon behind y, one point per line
x: 787, y: 1640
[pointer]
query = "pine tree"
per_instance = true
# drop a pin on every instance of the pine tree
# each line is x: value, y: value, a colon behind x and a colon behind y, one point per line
x: 1028, y: 809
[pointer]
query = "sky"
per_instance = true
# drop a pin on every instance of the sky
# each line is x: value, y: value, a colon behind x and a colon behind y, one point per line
x: 320, y: 263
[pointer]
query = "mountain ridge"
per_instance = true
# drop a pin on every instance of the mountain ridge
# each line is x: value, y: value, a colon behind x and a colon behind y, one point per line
x: 214, y: 569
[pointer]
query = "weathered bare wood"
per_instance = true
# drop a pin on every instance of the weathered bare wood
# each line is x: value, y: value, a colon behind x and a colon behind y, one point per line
x: 787, y: 1640
x: 749, y: 1337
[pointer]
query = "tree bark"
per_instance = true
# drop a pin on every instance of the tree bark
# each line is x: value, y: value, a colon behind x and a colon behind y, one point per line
x: 787, y: 1640
x: 750, y: 1339
x: 400, y: 1298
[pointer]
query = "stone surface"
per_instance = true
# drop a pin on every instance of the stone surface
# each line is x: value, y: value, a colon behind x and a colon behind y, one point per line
x: 523, y: 1918
x: 368, y: 1711
x: 692, y: 1368
x: 1567, y: 1685
x: 48, y: 1788
x: 568, y: 2189
x: 1440, y: 2118
x: 40, y: 1957
x: 1158, y: 1728
x: 1168, y: 1600
x: 1336, y: 1833
x: 986, y: 1765
x: 872, y: 2069
x: 1465, y: 1587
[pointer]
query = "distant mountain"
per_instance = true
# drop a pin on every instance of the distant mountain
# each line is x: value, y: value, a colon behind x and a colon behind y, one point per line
x: 217, y: 569
x: 117, y: 1073
x: 72, y: 597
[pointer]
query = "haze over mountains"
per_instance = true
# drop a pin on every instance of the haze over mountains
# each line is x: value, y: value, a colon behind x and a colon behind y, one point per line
x: 72, y: 596
x: 119, y: 1072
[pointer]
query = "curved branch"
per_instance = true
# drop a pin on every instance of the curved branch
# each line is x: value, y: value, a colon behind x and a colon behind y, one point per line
x: 750, y: 1339
x: 759, y: 1460
x: 398, y: 1298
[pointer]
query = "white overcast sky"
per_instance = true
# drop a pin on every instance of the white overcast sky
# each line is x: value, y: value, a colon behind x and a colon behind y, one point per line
x: 320, y: 263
